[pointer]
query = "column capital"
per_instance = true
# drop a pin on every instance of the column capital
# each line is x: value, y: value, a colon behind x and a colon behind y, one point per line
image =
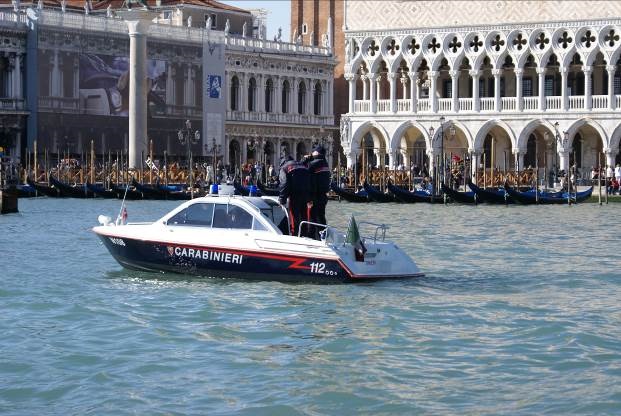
x: 541, y: 71
x: 611, y: 68
x: 519, y: 71
x: 587, y: 69
x: 391, y: 76
x: 404, y: 80
x: 474, y: 73
x: 413, y: 75
x: 433, y: 74
x: 351, y: 76
x: 364, y: 78
x: 496, y: 72
x: 453, y: 73
x: 373, y: 77
x: 563, y: 70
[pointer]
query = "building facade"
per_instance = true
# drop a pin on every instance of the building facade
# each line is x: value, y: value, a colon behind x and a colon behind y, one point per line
x: 277, y: 94
x: 508, y: 84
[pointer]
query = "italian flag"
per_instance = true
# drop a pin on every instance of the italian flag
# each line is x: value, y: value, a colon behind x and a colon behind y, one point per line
x: 353, y: 238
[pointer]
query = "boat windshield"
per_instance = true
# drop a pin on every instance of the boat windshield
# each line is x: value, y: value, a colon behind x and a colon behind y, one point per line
x: 276, y: 215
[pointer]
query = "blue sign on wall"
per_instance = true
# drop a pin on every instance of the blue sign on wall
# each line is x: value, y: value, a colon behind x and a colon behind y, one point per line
x: 215, y: 86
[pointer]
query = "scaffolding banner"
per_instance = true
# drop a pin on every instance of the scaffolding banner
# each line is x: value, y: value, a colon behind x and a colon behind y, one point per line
x: 104, y: 85
x: 214, y: 97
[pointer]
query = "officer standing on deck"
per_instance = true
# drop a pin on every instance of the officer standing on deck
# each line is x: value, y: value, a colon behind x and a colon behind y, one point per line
x: 320, y: 185
x: 295, y: 187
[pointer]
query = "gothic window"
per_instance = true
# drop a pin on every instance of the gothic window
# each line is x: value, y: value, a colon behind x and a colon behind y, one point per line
x: 527, y: 87
x: 317, y: 99
x: 447, y: 88
x: 286, y: 93
x: 252, y: 95
x: 269, y: 92
x: 4, y: 77
x: 302, y: 98
x: 234, y: 93
x: 617, y: 84
x: 565, y: 40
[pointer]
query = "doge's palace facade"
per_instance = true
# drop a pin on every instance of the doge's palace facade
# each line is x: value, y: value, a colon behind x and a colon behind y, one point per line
x: 539, y: 82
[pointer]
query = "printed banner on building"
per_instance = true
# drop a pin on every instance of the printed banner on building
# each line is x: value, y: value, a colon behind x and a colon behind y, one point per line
x: 104, y: 85
x: 214, y: 98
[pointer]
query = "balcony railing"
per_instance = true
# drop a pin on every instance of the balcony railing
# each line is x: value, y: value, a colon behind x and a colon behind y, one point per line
x: 282, y: 118
x: 404, y: 106
x: 487, y: 104
x: 12, y: 104
x: 445, y: 104
x: 59, y: 104
x: 600, y: 102
x: 465, y: 104
x: 508, y: 103
x: 553, y: 103
x: 576, y: 102
x: 531, y: 103
x: 383, y: 106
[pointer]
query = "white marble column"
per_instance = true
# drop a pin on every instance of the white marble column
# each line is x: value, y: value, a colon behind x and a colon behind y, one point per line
x: 373, y: 88
x: 351, y: 81
x: 588, y: 88
x: 612, y: 69
x: 476, y: 101
x: 564, y: 103
x: 55, y: 75
x: 392, y: 159
x: 497, y: 104
x: 454, y: 90
x: 17, y: 77
x: 413, y: 91
x: 404, y: 86
x: 519, y: 73
x: 277, y: 95
x: 475, y: 159
x: 564, y: 159
x: 294, y: 97
x: 542, y: 92
x: 138, y: 21
x: 170, y: 84
x: 392, y: 80
x: 365, y: 86
x: 433, y: 95
x: 610, y: 158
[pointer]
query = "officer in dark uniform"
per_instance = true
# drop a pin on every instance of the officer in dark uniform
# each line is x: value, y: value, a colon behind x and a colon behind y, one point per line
x: 320, y: 185
x: 295, y: 187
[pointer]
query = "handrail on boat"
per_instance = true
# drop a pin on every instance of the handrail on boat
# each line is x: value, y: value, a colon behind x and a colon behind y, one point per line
x: 378, y: 227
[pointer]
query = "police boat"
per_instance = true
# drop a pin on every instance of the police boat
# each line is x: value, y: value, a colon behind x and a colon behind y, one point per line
x: 242, y: 237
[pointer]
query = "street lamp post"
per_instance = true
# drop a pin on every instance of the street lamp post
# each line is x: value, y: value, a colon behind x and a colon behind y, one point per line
x: 187, y: 138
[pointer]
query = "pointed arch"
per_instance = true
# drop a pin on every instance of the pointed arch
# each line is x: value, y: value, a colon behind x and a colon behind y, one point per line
x: 405, y: 126
x: 529, y: 128
x: 615, y: 138
x: 365, y: 128
x: 485, y: 129
x: 578, y: 124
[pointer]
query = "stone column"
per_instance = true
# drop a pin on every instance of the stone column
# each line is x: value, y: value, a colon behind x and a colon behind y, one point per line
x: 392, y: 77
x: 611, y: 86
x: 454, y: 90
x: 138, y: 21
x: 519, y: 73
x: 475, y: 158
x: 413, y: 91
x: 564, y: 103
x: 476, y: 101
x: 518, y: 159
x: 277, y: 95
x: 294, y: 97
x: 392, y: 159
x: 432, y: 163
x: 542, y: 92
x: 497, y: 104
x: 365, y: 87
x: 588, y: 88
x: 404, y: 86
x: 260, y: 94
x: 564, y: 159
x: 351, y: 81
x: 55, y: 75
x: 433, y: 76
x: 17, y: 76
x: 170, y: 84
x: 373, y: 88
x: 310, y: 89
x: 610, y: 158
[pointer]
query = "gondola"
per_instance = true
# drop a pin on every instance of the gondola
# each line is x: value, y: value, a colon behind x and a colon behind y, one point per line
x: 25, y: 191
x: 71, y: 191
x: 459, y: 197
x: 44, y: 189
x: 530, y: 198
x: 267, y: 191
x: 403, y: 195
x: 123, y: 191
x: 100, y: 192
x: 349, y: 196
x: 491, y: 196
x: 149, y: 192
x: 377, y: 196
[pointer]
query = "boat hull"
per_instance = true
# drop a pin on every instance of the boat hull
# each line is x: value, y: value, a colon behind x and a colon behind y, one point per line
x: 218, y: 262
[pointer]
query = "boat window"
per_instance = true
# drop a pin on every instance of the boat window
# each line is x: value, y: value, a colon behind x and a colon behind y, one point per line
x: 199, y: 214
x: 230, y: 216
x: 257, y: 225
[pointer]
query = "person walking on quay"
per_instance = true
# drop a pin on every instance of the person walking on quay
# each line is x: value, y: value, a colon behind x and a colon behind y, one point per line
x: 320, y: 186
x: 618, y: 173
x: 294, y: 190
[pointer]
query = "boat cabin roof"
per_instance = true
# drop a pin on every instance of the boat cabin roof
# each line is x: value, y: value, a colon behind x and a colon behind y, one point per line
x: 229, y: 212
